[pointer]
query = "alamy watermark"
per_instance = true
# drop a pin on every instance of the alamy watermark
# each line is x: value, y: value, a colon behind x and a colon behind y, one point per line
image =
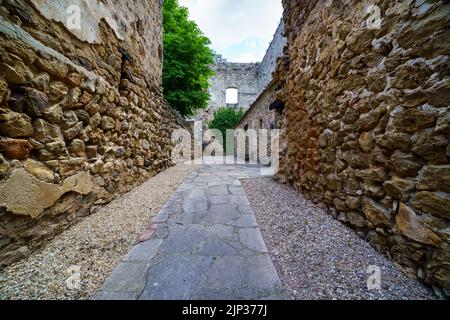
x: 73, y: 17
x: 237, y: 146
x: 374, y: 279
x: 73, y: 281
x: 374, y: 19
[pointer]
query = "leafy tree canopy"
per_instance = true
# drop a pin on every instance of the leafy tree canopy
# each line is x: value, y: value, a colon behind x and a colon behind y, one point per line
x: 226, y: 118
x: 187, y: 60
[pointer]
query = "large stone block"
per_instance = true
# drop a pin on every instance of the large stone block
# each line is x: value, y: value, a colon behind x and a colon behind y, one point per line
x: 399, y: 188
x: 15, y: 125
x: 23, y: 194
x: 15, y: 149
x: 16, y: 74
x: 435, y: 177
x: 31, y: 101
x: 436, y: 203
x: 45, y: 132
x: 377, y: 213
x: 412, y: 120
x: 414, y: 226
x: 405, y: 164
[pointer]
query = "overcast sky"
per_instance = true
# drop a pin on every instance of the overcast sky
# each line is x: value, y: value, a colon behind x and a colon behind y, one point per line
x: 240, y: 30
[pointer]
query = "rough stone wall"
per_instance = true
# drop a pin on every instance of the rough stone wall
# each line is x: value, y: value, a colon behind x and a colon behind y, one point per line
x: 251, y: 79
x: 82, y: 115
x: 368, y: 124
x: 259, y: 116
x: 269, y: 63
x: 242, y: 76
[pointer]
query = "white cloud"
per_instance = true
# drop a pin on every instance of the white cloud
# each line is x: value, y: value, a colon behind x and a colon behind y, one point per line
x: 230, y: 23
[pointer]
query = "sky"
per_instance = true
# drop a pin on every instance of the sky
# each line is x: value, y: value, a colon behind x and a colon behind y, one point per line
x: 240, y: 30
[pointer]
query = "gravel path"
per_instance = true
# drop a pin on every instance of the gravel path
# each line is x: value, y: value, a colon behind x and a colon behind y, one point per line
x: 96, y: 244
x: 316, y: 256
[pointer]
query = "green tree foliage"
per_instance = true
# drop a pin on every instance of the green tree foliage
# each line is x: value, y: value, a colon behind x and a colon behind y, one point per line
x: 226, y: 118
x: 187, y: 58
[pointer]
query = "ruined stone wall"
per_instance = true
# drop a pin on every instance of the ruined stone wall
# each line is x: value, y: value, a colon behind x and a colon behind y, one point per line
x: 243, y: 76
x: 368, y: 124
x: 251, y: 79
x: 259, y: 116
x: 82, y: 115
x: 269, y: 63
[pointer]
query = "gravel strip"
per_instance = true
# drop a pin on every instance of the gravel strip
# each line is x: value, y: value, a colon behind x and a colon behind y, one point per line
x: 96, y: 244
x: 318, y: 257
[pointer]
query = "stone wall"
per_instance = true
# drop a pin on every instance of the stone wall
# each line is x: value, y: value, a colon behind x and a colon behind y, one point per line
x: 242, y: 76
x: 251, y: 79
x: 269, y: 63
x: 368, y: 124
x: 82, y: 115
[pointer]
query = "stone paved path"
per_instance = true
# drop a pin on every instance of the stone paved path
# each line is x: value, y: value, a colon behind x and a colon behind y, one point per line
x: 207, y: 245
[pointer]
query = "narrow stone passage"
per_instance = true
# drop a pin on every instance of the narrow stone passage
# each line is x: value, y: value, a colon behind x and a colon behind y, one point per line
x: 206, y: 245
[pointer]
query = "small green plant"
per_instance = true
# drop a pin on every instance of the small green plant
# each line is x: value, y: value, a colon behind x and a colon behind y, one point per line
x: 224, y: 119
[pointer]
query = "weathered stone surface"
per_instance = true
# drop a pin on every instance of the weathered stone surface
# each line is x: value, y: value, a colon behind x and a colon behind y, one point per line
x: 39, y: 170
x: 80, y: 183
x: 15, y: 125
x: 394, y: 141
x: 52, y: 66
x: 412, y: 120
x: 334, y: 182
x: 399, y: 188
x: 15, y: 148
x: 73, y: 132
x: 41, y: 81
x: 4, y: 166
x: 45, y: 132
x: 356, y: 219
x: 54, y: 114
x: 77, y: 148
x: 68, y: 166
x: 16, y: 74
x: 23, y: 194
x: 411, y: 32
x: 414, y: 226
x: 31, y: 101
x: 404, y: 164
x: 74, y: 79
x: 431, y: 147
x: 443, y: 123
x: 435, y: 177
x: 366, y: 141
x: 107, y: 123
x: 376, y: 213
x: 375, y: 174
x: 54, y: 90
x: 439, y: 269
x: 83, y: 116
x: 3, y: 88
x: 57, y: 90
x: 377, y: 241
x: 436, y: 203
x: 411, y: 74
x: 380, y: 102
x: 367, y: 121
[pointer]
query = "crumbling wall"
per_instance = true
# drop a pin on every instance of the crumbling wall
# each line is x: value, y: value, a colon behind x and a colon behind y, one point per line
x: 82, y: 115
x: 242, y: 76
x: 251, y: 79
x: 368, y: 123
x: 269, y: 63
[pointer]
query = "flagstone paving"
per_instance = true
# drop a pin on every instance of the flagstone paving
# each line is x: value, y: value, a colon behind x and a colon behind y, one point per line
x: 206, y: 245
